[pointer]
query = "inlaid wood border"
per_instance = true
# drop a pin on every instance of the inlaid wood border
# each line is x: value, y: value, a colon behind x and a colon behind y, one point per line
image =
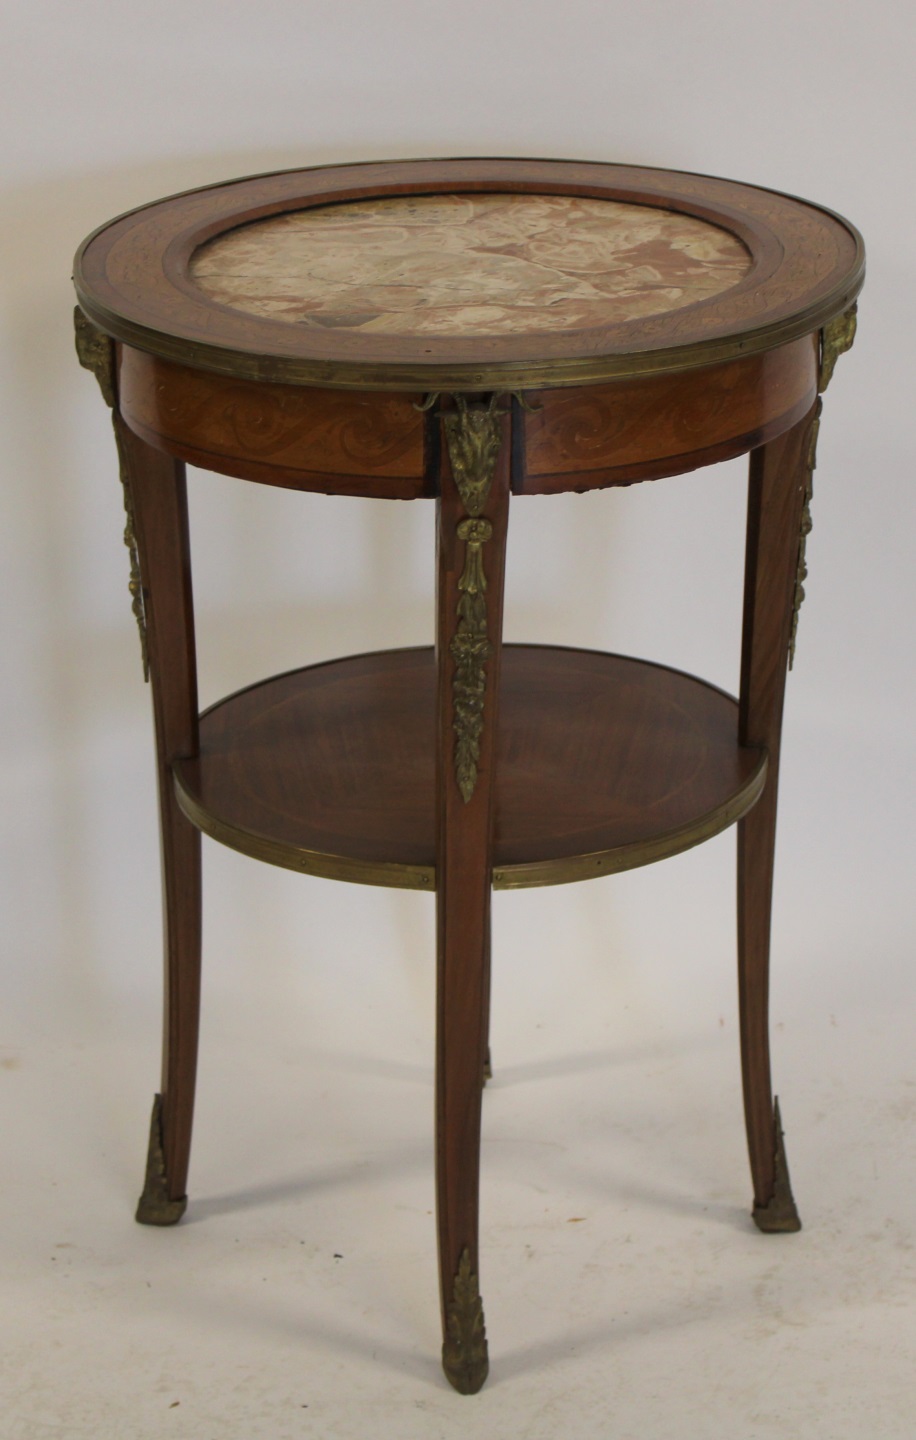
x: 132, y: 280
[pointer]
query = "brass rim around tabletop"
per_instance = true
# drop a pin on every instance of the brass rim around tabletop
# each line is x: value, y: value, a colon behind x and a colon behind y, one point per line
x: 455, y: 379
x: 777, y: 301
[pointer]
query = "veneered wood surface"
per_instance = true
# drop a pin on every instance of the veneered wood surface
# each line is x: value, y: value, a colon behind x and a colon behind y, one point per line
x: 464, y: 849
x: 303, y: 437
x: 596, y: 435
x: 133, y: 280
x: 595, y: 753
x: 374, y: 443
x: 157, y: 488
x: 776, y: 494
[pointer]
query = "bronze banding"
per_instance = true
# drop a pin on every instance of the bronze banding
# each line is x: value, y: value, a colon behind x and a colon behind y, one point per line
x: 503, y: 376
x: 294, y: 857
x: 523, y: 876
x: 569, y: 868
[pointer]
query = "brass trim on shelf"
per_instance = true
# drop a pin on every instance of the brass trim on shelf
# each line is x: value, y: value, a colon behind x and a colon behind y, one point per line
x: 293, y: 857
x: 570, y: 868
x: 473, y: 434
x: 523, y: 876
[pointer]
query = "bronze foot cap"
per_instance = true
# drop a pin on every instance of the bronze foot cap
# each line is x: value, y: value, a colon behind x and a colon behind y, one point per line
x: 466, y: 1378
x: 464, y: 1350
x: 151, y: 1210
x: 155, y: 1207
x: 779, y: 1216
x: 777, y: 1220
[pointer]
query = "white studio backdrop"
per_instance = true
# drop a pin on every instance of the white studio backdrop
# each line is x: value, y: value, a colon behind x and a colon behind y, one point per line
x: 108, y: 105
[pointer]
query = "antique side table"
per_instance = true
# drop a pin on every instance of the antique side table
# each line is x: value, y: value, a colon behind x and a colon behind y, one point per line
x: 466, y: 330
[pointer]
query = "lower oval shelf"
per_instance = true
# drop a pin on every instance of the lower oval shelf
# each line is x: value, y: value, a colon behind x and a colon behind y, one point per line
x: 603, y: 763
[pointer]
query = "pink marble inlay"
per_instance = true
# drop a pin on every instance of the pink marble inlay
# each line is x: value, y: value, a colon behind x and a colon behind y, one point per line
x: 469, y: 264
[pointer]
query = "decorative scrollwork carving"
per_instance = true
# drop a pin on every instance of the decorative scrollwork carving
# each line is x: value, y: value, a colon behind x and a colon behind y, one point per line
x: 470, y: 649
x: 154, y: 1206
x: 464, y: 1350
x: 473, y: 434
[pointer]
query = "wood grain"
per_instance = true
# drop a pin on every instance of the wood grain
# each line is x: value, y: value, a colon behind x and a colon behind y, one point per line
x: 159, y: 499
x: 598, y: 758
x: 464, y: 859
x: 300, y: 437
x: 596, y: 435
x: 132, y: 279
x: 778, y: 478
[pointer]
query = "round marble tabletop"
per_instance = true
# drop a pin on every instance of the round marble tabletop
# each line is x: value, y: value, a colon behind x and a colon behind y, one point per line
x: 469, y: 264
x: 467, y: 274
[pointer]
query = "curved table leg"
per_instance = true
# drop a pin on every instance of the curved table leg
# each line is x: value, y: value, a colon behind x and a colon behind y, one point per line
x: 156, y: 498
x: 487, y: 962
x: 472, y: 520
x: 777, y: 499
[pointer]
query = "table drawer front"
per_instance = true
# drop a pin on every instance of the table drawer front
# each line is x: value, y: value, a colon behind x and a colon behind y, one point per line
x: 604, y: 434
x: 300, y: 436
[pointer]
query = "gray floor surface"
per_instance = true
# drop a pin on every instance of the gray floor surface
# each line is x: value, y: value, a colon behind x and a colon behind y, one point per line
x: 627, y: 1293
